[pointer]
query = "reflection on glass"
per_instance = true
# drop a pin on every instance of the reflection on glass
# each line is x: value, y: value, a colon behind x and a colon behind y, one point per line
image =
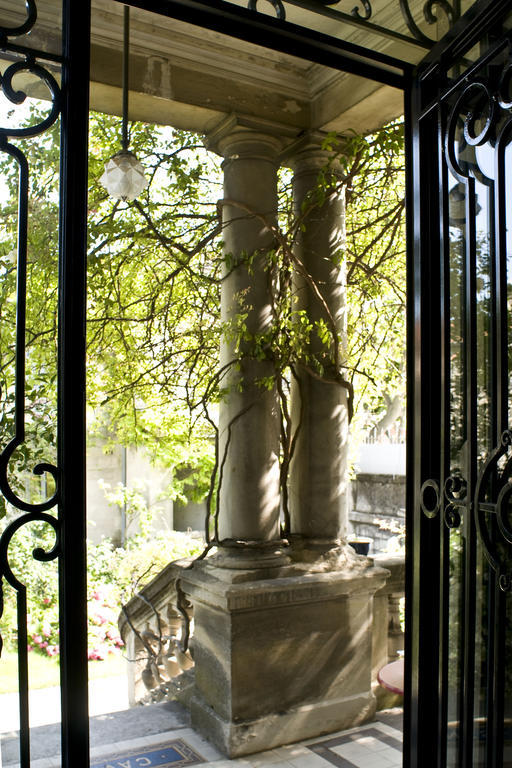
x: 477, y: 165
x: 484, y: 255
x: 473, y: 54
x: 484, y: 246
x: 507, y: 759
x: 507, y: 756
x: 508, y: 224
x: 457, y: 354
x: 481, y: 647
x: 457, y: 219
x: 455, y: 607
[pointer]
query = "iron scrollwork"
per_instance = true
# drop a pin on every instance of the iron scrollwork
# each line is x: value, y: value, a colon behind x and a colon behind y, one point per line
x: 31, y: 512
x: 430, y: 498
x: 24, y: 27
x: 451, y: 500
x: 276, y: 4
x: 429, y: 15
x: 18, y: 97
x: 503, y: 95
x: 38, y: 553
x: 480, y: 115
x: 367, y: 11
x: 493, y: 501
x: 455, y: 493
x: 363, y: 12
x: 470, y: 124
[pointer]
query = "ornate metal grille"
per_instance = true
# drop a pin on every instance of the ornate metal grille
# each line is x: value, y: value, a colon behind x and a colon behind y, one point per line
x: 362, y: 15
x: 28, y: 62
x: 69, y: 101
x: 461, y: 527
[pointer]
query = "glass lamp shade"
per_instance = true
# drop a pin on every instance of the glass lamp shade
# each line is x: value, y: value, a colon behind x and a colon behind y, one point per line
x: 123, y: 177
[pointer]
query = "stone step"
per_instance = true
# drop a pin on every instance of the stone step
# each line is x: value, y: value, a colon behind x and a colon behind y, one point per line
x: 105, y: 729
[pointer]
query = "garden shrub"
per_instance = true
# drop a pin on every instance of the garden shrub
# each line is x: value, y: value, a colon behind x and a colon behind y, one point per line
x: 114, y: 575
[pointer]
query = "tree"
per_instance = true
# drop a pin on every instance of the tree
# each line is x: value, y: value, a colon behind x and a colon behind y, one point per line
x: 154, y: 273
x: 376, y: 270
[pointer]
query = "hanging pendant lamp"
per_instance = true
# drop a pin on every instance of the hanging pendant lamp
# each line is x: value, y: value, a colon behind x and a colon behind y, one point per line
x: 123, y: 177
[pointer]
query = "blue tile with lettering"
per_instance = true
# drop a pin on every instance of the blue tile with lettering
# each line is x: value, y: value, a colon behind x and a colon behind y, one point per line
x: 172, y: 754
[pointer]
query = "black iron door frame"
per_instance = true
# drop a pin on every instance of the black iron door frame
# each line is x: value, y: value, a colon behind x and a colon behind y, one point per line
x: 69, y: 101
x: 436, y: 499
x: 425, y: 367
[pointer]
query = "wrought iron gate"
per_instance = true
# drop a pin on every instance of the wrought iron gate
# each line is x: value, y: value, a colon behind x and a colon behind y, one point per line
x: 460, y: 526
x: 68, y: 100
x: 459, y: 670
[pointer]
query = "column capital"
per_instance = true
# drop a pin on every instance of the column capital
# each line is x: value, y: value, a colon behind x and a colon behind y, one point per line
x: 248, y: 137
x: 309, y: 154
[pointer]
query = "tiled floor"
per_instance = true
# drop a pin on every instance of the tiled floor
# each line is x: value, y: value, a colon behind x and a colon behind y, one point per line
x: 375, y: 745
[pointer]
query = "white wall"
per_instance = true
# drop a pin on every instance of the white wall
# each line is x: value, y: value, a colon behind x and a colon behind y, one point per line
x: 381, y: 459
x: 104, y: 520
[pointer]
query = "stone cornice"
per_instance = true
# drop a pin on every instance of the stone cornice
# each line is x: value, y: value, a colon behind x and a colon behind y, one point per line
x: 206, y: 583
x: 236, y: 123
x: 306, y: 154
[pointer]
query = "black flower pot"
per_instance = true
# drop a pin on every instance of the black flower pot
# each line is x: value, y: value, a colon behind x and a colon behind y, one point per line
x: 361, y: 547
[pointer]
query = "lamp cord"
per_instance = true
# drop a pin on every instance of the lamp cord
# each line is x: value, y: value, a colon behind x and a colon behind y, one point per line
x: 126, y: 71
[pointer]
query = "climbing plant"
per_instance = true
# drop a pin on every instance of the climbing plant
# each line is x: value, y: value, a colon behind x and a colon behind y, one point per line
x: 155, y: 269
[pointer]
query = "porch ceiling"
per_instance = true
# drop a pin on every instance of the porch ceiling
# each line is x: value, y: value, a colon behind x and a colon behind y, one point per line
x: 193, y: 78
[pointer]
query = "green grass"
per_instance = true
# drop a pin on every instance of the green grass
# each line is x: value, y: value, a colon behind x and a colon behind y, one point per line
x: 44, y: 671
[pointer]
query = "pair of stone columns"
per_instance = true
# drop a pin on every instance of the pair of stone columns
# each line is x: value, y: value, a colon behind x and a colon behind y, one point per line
x: 282, y: 645
x: 249, y: 415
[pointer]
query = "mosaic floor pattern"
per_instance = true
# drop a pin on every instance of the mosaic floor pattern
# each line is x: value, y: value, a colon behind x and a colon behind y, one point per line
x: 173, y: 754
x: 375, y: 745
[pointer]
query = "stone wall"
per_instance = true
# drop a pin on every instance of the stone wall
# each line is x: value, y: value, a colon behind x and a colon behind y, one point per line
x: 377, y: 498
x: 106, y: 520
x: 373, y: 497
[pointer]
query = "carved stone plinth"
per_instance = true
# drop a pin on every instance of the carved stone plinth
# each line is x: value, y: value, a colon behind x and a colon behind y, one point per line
x: 280, y: 659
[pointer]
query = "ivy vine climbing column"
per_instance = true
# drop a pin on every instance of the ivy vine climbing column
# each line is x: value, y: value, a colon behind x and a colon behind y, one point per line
x: 249, y: 411
x: 320, y: 395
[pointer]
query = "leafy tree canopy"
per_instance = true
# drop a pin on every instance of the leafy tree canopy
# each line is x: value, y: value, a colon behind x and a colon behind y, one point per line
x: 155, y: 268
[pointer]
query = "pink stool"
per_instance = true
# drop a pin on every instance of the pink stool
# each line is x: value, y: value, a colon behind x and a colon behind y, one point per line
x: 392, y: 676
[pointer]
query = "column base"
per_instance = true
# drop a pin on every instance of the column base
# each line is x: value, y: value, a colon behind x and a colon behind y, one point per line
x: 235, y: 739
x: 326, y: 554
x: 250, y: 555
x: 281, y: 658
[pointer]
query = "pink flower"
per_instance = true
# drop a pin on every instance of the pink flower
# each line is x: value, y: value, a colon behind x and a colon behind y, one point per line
x: 46, y: 600
x: 95, y: 655
x: 30, y: 647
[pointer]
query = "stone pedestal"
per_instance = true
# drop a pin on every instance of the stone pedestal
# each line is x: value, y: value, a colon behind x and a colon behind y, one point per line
x: 282, y: 650
x: 281, y: 659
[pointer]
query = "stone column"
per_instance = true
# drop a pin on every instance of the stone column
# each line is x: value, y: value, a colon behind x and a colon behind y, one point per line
x: 318, y: 475
x: 249, y: 413
x: 282, y: 650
